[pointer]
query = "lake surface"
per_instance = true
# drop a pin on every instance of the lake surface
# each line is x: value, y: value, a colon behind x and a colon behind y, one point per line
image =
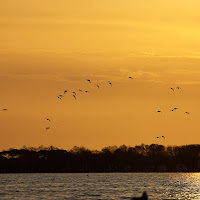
x: 99, y: 186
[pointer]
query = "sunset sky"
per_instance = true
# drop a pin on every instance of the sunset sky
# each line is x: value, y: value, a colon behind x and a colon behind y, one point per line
x: 49, y: 46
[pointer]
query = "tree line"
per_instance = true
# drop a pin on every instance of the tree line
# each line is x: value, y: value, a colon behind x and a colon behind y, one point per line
x: 141, y: 158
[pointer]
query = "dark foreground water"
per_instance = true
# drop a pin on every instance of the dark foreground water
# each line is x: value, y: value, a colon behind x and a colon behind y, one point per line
x: 99, y: 186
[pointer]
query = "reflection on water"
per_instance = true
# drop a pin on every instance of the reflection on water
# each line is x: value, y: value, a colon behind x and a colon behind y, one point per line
x: 100, y: 186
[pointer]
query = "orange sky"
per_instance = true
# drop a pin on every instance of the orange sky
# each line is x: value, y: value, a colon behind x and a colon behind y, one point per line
x: 47, y: 47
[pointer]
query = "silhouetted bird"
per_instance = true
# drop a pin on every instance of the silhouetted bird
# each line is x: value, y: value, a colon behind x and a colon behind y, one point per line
x: 130, y: 77
x: 80, y: 90
x: 159, y: 111
x: 98, y: 86
x: 110, y: 83
x: 172, y: 89
x: 74, y: 96
x: 5, y: 109
x: 89, y: 80
x: 48, y: 119
x: 59, y: 97
x: 160, y: 137
x: 74, y: 93
x: 47, y: 128
x: 172, y: 110
x: 143, y: 197
x: 178, y: 88
x: 87, y: 91
x: 187, y: 113
x: 175, y: 108
x: 65, y: 91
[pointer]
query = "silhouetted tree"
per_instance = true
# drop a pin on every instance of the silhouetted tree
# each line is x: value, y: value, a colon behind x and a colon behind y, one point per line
x: 110, y: 159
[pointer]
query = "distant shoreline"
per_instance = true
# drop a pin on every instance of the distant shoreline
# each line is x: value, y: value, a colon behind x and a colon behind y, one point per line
x: 99, y: 172
x: 143, y: 158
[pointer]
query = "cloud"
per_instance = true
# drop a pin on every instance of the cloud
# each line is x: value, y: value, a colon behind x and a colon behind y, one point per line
x: 140, y: 74
x: 187, y: 82
x: 185, y: 72
x: 34, y: 76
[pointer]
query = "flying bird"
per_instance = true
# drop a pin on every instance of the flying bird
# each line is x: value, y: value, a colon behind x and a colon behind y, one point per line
x: 175, y: 108
x: 98, y: 86
x: 187, y: 113
x: 172, y: 89
x: 5, y: 109
x: 163, y: 137
x: 48, y: 119
x: 87, y: 91
x: 89, y: 80
x: 47, y: 128
x: 59, y: 97
x: 160, y: 137
x: 74, y: 93
x: 178, y: 88
x: 80, y: 90
x: 130, y: 77
x: 110, y: 83
x: 74, y: 96
x: 172, y: 110
x: 65, y: 91
x: 159, y: 111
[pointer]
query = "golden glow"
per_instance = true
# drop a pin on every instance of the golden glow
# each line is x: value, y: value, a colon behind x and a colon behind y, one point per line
x: 47, y: 47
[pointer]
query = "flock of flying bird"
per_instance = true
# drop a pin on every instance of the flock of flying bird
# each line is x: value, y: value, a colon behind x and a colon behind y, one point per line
x: 86, y: 91
x: 110, y: 83
x: 174, y: 109
x: 74, y: 94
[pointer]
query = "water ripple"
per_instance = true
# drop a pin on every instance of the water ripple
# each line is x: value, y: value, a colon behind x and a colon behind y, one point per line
x: 101, y: 186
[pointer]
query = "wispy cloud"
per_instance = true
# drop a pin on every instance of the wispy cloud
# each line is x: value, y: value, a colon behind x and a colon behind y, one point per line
x: 187, y: 82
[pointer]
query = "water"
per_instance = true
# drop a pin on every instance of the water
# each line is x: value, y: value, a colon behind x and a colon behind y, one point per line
x: 99, y: 186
